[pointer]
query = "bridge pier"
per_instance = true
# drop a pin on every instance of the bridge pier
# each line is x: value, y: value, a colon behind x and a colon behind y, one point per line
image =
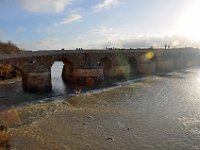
x: 126, y: 70
x: 37, y: 81
x: 121, y: 71
x: 146, y: 68
x: 89, y: 75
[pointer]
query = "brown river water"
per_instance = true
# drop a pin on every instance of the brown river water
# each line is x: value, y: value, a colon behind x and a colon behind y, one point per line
x: 159, y: 113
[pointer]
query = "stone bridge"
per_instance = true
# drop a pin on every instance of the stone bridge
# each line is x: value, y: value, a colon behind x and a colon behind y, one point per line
x: 91, y: 66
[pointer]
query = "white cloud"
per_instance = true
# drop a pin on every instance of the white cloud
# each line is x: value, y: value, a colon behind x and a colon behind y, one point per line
x: 69, y: 19
x: 110, y: 35
x: 157, y: 41
x: 103, y: 31
x: 103, y: 36
x: 50, y: 43
x: 43, y: 44
x: 45, y: 6
x: 106, y: 4
x: 115, y: 37
x: 85, y: 42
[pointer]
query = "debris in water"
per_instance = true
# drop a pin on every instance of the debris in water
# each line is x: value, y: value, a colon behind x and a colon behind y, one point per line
x: 110, y: 139
x: 30, y: 112
x: 77, y: 91
x: 87, y: 145
x: 120, y: 124
x: 106, y: 104
x: 125, y: 94
x: 90, y: 117
x: 128, y: 128
x: 64, y: 102
x: 11, y: 82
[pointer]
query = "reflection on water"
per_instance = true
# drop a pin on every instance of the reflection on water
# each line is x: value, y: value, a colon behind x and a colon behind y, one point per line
x: 58, y: 85
x: 12, y: 93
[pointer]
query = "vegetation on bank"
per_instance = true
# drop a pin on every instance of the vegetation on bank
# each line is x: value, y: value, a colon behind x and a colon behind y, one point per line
x: 7, y: 71
x: 8, y: 48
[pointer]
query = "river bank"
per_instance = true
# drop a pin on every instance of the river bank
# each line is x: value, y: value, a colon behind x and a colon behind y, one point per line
x: 80, y: 118
x: 158, y: 113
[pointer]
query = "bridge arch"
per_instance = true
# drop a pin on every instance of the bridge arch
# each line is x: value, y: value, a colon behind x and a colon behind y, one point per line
x: 106, y: 64
x: 132, y: 66
x: 68, y: 67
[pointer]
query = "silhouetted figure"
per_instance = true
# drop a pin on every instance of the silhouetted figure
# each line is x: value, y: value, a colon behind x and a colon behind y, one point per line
x: 165, y: 46
x: 168, y: 46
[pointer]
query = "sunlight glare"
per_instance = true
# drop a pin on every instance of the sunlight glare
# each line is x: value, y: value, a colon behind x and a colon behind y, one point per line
x: 189, y: 24
x: 149, y: 55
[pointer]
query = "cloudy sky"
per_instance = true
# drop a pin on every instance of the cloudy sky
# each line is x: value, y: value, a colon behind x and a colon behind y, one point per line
x: 56, y: 24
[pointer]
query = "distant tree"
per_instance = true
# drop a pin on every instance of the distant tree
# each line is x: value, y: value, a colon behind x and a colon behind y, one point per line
x: 8, y: 48
x: 150, y: 47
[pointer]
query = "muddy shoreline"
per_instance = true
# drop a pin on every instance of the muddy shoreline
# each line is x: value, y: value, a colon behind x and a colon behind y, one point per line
x: 79, y: 116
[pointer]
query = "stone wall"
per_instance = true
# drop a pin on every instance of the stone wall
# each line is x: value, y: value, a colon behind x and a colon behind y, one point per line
x: 85, y: 66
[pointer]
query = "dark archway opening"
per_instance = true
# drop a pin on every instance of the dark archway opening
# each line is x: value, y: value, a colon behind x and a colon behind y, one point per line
x: 106, y: 65
x: 132, y: 66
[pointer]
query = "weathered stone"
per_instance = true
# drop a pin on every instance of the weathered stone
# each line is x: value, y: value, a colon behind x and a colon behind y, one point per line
x: 37, y: 81
x: 92, y: 66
